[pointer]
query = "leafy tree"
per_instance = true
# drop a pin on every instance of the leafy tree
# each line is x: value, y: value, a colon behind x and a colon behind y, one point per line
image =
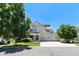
x: 67, y: 32
x: 12, y: 21
x: 28, y: 22
x: 4, y: 20
x: 18, y: 18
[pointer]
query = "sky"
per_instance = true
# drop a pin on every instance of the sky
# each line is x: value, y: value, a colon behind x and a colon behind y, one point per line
x: 54, y: 14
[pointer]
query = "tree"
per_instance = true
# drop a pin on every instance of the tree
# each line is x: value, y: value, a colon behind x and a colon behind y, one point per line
x: 67, y: 32
x: 4, y: 20
x: 27, y: 23
x: 12, y: 21
x: 18, y: 18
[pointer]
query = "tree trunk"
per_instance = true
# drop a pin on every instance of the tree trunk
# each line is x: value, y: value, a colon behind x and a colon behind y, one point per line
x: 15, y: 42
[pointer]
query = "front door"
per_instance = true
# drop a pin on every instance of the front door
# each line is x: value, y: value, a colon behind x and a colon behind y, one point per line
x: 37, y: 37
x: 32, y: 37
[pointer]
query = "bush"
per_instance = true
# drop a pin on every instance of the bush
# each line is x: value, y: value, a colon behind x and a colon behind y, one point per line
x: 26, y: 40
x: 8, y: 42
x: 2, y: 42
x: 18, y: 40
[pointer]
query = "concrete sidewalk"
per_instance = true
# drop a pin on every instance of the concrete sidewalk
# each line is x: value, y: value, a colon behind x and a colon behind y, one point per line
x: 56, y: 44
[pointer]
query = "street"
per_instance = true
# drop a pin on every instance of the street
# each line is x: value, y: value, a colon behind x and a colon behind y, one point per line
x: 40, y: 51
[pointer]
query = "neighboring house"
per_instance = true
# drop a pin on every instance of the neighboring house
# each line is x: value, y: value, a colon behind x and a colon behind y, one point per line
x: 42, y: 32
x: 77, y: 29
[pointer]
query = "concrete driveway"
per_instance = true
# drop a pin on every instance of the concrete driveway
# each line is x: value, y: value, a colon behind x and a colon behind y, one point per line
x: 56, y: 44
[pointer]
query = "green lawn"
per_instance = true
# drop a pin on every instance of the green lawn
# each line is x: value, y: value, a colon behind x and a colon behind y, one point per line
x: 33, y: 43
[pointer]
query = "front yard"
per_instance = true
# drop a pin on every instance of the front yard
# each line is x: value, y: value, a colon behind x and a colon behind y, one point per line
x: 33, y: 43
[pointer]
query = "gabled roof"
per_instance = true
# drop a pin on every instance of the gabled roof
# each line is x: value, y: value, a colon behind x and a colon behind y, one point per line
x: 47, y: 25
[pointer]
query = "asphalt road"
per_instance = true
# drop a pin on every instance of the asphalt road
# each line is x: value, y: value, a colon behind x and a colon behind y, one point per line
x: 39, y: 51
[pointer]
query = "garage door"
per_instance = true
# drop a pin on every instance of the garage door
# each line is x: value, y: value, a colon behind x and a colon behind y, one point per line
x: 48, y: 39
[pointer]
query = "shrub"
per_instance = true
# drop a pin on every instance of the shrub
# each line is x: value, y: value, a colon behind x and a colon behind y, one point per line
x: 2, y: 42
x: 26, y: 40
x: 18, y: 40
x: 8, y: 42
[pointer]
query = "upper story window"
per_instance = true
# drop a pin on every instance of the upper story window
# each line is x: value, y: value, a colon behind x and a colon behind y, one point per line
x: 47, y: 25
x: 49, y: 30
x: 35, y: 31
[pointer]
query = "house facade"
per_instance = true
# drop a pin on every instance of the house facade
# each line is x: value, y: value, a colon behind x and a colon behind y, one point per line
x: 77, y: 29
x: 42, y: 32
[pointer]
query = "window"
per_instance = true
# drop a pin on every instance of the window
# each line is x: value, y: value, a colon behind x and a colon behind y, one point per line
x: 49, y: 30
x: 35, y: 31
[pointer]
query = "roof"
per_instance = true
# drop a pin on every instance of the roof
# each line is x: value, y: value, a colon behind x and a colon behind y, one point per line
x: 47, y: 25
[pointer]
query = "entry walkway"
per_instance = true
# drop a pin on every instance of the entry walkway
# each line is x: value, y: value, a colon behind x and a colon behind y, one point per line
x: 56, y: 44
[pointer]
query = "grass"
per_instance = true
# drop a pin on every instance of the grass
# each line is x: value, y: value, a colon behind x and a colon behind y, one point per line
x: 33, y: 43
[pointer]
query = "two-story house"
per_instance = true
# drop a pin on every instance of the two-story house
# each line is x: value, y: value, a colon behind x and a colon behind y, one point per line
x: 42, y: 32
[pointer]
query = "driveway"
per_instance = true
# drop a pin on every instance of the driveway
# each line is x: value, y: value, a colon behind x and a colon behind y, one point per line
x: 56, y: 44
x: 39, y: 51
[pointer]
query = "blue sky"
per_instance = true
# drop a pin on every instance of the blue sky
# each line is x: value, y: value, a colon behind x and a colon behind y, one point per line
x: 53, y: 13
